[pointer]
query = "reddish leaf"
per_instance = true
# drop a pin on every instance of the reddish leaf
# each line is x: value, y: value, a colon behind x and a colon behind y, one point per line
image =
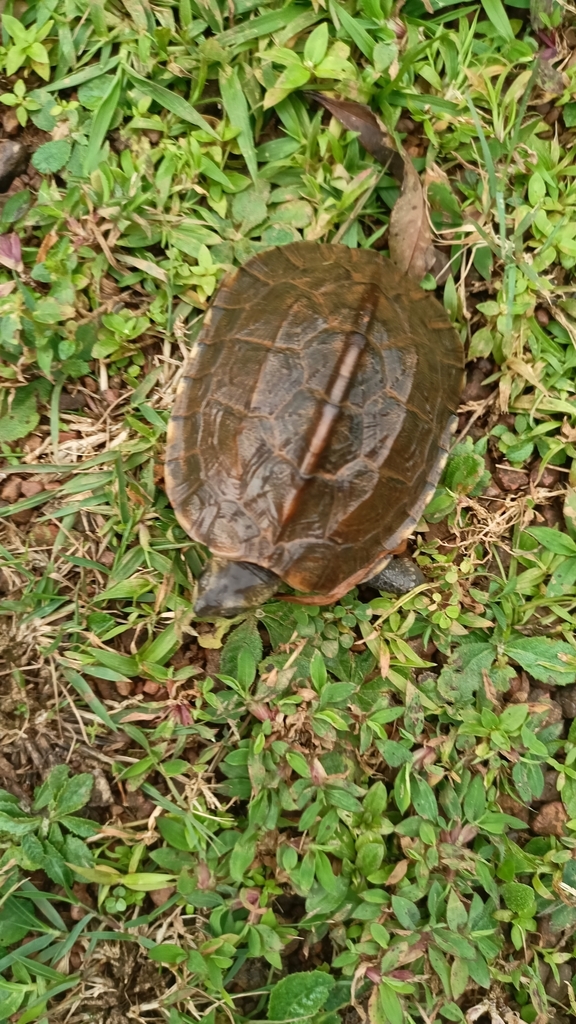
x: 373, y: 135
x: 10, y: 252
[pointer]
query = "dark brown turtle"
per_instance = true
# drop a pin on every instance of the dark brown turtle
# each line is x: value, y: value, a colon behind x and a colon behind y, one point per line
x: 311, y: 425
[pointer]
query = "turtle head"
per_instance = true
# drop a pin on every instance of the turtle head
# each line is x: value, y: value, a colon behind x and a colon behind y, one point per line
x: 226, y: 589
x: 397, y: 576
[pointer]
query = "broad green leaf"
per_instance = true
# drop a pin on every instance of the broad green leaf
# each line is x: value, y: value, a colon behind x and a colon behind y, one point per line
x: 369, y: 858
x: 242, y: 857
x: 52, y: 156
x: 519, y: 898
x: 457, y: 945
x: 167, y: 953
x: 75, y: 794
x: 407, y: 912
x: 316, y: 45
x: 299, y: 996
x: 21, y: 416
x: 513, y: 717
x: 546, y: 659
x: 459, y: 977
x: 553, y: 540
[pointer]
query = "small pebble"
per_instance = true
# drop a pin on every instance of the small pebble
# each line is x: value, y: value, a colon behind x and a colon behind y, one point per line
x: 11, y: 490
x: 13, y: 160
x: 508, y: 805
x: 511, y: 479
x: 32, y: 487
x: 550, y: 819
x: 10, y: 122
x: 566, y: 697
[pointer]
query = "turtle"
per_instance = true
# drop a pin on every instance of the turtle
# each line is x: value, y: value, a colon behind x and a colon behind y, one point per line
x: 311, y: 426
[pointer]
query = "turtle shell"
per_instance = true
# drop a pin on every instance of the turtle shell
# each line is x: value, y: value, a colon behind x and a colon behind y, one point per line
x: 313, y: 419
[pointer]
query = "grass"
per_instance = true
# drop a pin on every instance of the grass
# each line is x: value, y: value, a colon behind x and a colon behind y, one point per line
x: 313, y: 813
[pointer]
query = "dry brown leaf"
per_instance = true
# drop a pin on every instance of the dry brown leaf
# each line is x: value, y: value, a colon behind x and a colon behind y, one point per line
x: 568, y: 432
x: 147, y: 266
x: 489, y: 688
x: 434, y: 175
x: 409, y: 236
x: 47, y: 242
x: 398, y: 873
x: 523, y: 369
x: 384, y: 659
x: 373, y: 135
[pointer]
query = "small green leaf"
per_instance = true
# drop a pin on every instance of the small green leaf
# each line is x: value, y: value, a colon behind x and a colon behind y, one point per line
x: 406, y: 912
x: 242, y: 856
x: 475, y: 799
x: 52, y: 156
x: 370, y: 857
x: 519, y: 898
x: 316, y: 44
x: 299, y: 995
x: 390, y: 1004
x: 456, y: 915
x: 536, y: 188
x: 423, y: 799
x: 167, y: 953
x: 75, y: 794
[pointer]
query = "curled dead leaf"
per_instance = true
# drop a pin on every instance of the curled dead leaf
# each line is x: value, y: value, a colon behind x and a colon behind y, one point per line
x: 47, y: 242
x: 409, y: 237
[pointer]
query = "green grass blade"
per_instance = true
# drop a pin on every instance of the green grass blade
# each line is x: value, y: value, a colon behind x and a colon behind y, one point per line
x: 87, y: 694
x: 172, y: 101
x: 101, y: 124
x: 494, y: 10
x: 357, y: 34
x: 264, y: 25
x: 236, y: 108
x: 86, y: 75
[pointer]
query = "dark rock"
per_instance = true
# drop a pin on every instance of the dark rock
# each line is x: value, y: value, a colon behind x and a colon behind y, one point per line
x: 550, y: 791
x: 557, y: 989
x: 566, y: 697
x: 508, y: 805
x: 13, y: 160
